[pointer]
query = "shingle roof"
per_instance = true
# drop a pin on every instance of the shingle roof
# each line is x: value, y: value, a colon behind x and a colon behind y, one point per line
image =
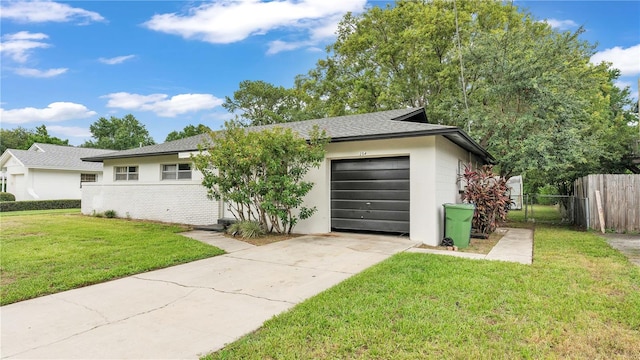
x: 378, y: 125
x: 48, y: 156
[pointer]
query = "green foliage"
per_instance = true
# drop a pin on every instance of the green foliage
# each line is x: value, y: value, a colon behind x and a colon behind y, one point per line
x: 22, y: 139
x: 188, y: 131
x: 39, y: 205
x: 246, y: 229
x: 489, y: 193
x: 110, y: 214
x: 261, y: 103
x: 118, y: 134
x: 260, y: 173
x: 529, y: 93
x: 547, y: 190
x: 5, y: 196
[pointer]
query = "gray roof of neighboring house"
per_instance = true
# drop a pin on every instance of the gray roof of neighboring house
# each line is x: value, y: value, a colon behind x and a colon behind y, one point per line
x: 59, y: 157
x: 379, y: 125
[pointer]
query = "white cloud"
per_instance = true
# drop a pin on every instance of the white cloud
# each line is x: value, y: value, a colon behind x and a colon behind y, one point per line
x: 71, y: 131
x: 19, y: 45
x: 279, y: 46
x: 28, y: 72
x: 162, y: 104
x: 324, y: 29
x: 116, y: 60
x: 46, y: 11
x: 223, y: 22
x: 625, y: 60
x: 54, y: 112
x: 561, y: 24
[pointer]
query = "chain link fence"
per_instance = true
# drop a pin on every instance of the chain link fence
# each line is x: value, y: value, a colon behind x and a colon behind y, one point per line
x: 564, y: 209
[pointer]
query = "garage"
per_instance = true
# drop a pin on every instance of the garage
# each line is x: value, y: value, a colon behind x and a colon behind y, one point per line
x: 370, y: 195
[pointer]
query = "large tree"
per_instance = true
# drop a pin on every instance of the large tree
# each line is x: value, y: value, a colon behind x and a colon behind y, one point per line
x: 523, y: 90
x: 188, y: 131
x: 118, y: 133
x: 261, y: 103
x: 22, y: 139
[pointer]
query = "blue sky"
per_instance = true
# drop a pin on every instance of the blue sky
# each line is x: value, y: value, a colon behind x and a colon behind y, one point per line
x: 171, y: 63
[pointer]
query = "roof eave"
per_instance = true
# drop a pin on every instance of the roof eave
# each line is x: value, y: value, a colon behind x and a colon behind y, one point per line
x: 471, y: 145
x: 4, y: 158
x: 129, y: 156
x: 45, y: 167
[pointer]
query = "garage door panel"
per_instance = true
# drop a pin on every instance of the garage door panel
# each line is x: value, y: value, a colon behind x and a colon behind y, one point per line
x: 371, y: 195
x: 392, y: 174
x: 372, y: 164
x: 370, y: 214
x: 366, y: 225
x: 381, y: 185
x: 371, y: 205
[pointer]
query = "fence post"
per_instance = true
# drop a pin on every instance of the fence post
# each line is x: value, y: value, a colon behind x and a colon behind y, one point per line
x: 586, y: 205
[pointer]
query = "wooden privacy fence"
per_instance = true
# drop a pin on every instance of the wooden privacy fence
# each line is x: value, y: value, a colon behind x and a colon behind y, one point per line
x: 620, y: 199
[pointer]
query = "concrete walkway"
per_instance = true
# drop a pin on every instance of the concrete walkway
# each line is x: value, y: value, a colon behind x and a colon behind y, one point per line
x: 516, y: 246
x: 629, y: 245
x: 188, y: 310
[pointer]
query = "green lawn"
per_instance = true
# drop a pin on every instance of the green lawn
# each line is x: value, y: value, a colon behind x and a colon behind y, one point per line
x: 579, y: 299
x: 44, y: 252
x: 541, y: 214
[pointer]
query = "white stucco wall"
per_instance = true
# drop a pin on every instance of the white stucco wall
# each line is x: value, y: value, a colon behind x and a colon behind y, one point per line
x: 421, y: 152
x: 184, y: 203
x: 433, y: 174
x: 434, y: 162
x: 43, y: 184
x: 150, y: 198
x: 149, y: 168
x: 54, y: 184
x: 450, y: 163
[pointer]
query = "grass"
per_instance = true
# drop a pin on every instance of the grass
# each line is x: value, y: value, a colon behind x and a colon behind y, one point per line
x: 579, y: 299
x: 44, y: 252
x: 548, y: 214
x: 39, y: 212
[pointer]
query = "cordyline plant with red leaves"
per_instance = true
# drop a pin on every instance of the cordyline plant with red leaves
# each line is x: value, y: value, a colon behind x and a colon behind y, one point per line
x: 490, y: 194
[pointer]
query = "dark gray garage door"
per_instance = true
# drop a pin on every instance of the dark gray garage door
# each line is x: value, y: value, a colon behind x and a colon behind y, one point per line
x: 370, y: 194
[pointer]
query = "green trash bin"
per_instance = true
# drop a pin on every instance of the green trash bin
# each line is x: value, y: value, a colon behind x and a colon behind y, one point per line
x: 457, y: 223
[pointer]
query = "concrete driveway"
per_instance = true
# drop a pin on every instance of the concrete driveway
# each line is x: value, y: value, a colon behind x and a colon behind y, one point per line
x: 627, y: 244
x: 187, y: 310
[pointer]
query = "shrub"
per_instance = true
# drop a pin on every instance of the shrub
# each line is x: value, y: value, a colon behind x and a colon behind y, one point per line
x: 246, y: 229
x: 261, y: 174
x: 547, y: 190
x: 110, y: 214
x: 39, y: 205
x: 489, y: 193
x: 5, y: 196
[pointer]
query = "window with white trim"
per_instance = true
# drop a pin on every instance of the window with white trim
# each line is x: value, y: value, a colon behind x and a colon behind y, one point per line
x: 126, y: 173
x: 88, y: 178
x: 176, y: 171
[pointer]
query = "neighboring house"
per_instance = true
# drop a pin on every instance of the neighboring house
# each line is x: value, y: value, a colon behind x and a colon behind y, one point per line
x: 47, y: 172
x: 389, y: 171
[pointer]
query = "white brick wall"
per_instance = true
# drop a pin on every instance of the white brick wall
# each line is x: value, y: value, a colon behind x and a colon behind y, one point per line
x: 168, y: 202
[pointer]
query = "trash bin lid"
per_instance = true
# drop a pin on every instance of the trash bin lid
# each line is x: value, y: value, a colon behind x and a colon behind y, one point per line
x: 459, y: 206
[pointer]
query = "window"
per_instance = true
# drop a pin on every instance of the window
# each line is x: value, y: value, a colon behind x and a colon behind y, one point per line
x: 88, y: 178
x: 176, y: 172
x: 126, y: 173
